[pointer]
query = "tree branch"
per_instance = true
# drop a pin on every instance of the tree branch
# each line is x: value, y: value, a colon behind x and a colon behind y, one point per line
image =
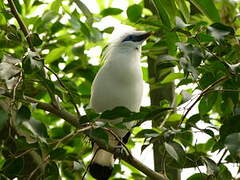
x: 74, y: 121
x: 209, y: 88
x: 133, y: 161
x: 21, y: 23
x: 58, y: 111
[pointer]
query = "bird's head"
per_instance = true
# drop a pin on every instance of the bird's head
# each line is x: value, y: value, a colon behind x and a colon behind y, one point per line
x: 127, y: 42
x: 133, y: 39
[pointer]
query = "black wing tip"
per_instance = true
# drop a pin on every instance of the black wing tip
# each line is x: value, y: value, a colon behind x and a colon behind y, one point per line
x: 100, y: 172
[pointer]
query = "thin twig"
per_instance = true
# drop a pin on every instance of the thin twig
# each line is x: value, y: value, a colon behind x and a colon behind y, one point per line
x: 35, y: 170
x: 119, y: 140
x: 63, y: 85
x: 225, y: 90
x: 16, y: 85
x: 214, y: 55
x: 21, y: 23
x: 224, y: 78
x: 25, y: 152
x: 70, y: 135
x: 224, y: 153
x: 62, y: 113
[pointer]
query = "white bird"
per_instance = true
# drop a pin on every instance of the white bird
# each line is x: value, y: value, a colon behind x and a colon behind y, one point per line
x: 119, y: 82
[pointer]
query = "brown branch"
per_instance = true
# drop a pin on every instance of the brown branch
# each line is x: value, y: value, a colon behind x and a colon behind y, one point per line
x: 209, y: 88
x: 60, y: 112
x: 70, y: 135
x: 74, y: 121
x: 21, y: 23
x: 119, y: 140
x: 46, y: 159
x: 134, y: 162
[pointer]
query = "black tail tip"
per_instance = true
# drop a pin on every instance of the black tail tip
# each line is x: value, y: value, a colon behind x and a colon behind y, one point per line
x: 100, y: 172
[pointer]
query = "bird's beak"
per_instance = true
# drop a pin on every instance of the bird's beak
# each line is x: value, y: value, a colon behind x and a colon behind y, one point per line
x: 145, y: 36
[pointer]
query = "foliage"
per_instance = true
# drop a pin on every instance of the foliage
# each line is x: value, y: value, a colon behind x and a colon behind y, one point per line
x: 46, y: 76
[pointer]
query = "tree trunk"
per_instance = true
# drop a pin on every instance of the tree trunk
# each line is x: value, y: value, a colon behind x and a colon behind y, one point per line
x: 165, y: 92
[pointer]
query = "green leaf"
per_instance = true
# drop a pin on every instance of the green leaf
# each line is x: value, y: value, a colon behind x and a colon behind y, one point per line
x: 198, y: 176
x: 232, y: 142
x: 23, y: 114
x: 78, y: 50
x: 32, y: 63
x: 85, y: 30
x: 174, y: 117
x: 167, y: 12
x: 191, y: 52
x: 171, y: 151
x: 207, y: 102
x: 208, y: 8
x: 204, y: 37
x: 3, y: 118
x: 54, y: 54
x: 230, y: 125
x: 39, y: 128
x: 23, y: 145
x: 111, y: 11
x: 171, y: 77
x: 219, y: 31
x: 99, y: 134
x: 134, y: 12
x: 13, y: 167
x: 224, y: 173
x: 209, y: 132
x: 85, y: 11
x: 51, y: 171
x: 183, y: 7
x: 56, y: 5
x: 146, y: 133
x: 211, y: 166
x: 109, y: 30
x: 35, y: 39
x: 57, y: 26
x: 58, y: 154
x: 116, y: 113
x: 18, y: 6
x: 48, y: 16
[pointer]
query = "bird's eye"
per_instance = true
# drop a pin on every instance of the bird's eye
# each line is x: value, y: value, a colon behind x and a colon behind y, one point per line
x: 130, y: 38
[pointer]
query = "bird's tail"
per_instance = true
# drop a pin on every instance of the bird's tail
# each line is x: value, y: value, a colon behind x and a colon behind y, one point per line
x: 102, y: 164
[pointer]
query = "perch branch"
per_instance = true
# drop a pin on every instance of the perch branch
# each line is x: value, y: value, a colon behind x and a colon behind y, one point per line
x: 73, y: 120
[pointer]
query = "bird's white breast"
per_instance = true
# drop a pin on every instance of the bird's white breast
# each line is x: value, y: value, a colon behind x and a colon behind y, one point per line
x: 119, y: 82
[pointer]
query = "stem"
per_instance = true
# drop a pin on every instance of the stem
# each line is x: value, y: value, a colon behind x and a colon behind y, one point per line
x: 220, y: 160
x: 62, y: 84
x: 209, y: 88
x: 21, y: 24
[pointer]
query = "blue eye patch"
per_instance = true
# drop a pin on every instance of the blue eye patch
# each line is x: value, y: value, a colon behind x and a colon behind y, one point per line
x: 133, y: 38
